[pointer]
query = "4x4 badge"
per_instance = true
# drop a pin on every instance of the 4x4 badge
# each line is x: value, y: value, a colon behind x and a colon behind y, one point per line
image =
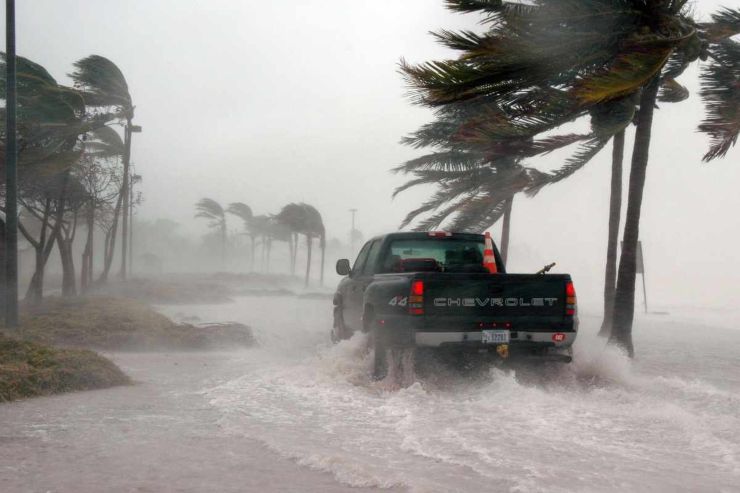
x: 399, y: 301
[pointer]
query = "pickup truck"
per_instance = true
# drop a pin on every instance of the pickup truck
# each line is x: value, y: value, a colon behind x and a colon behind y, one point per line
x: 450, y: 291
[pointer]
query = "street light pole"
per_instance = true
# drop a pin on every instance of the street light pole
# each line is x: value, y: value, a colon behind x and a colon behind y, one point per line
x: 352, y: 231
x: 128, y: 130
x: 11, y: 172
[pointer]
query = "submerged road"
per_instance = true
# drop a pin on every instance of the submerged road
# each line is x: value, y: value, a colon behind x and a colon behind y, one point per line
x: 296, y: 414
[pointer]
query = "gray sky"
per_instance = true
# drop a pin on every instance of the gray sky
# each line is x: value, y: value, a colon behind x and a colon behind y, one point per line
x: 273, y: 102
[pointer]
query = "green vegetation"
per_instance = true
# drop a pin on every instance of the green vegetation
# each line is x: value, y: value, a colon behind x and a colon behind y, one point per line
x: 117, y: 324
x: 28, y: 369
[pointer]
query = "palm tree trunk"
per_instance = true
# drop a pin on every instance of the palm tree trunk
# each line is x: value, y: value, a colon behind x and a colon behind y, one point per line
x: 323, y: 256
x: 309, y: 243
x: 295, y: 254
x: 624, y: 299
x: 223, y: 245
x: 251, y: 262
x: 506, y: 228
x: 269, y: 250
x: 615, y: 211
x: 110, y: 244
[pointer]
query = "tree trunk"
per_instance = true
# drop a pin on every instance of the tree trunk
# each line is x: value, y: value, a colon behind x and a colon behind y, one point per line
x: 269, y: 251
x: 35, y: 292
x: 86, y: 267
x: 223, y: 245
x: 110, y: 243
x: 295, y: 254
x: 251, y: 262
x: 506, y: 229
x: 69, y: 285
x: 323, y: 257
x: 309, y: 244
x: 124, y: 194
x: 615, y: 211
x: 624, y: 299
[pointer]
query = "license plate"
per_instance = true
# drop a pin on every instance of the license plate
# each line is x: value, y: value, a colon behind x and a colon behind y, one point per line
x: 495, y: 337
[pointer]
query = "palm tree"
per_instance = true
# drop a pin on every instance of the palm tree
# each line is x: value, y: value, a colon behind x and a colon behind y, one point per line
x: 314, y: 228
x: 561, y: 59
x: 243, y: 212
x: 212, y: 210
x: 104, y: 144
x: 480, y: 165
x: 103, y: 85
x: 306, y: 220
x: 293, y: 217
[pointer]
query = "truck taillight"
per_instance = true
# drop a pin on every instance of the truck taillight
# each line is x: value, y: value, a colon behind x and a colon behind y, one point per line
x: 416, y: 298
x: 570, y: 298
x: 439, y: 234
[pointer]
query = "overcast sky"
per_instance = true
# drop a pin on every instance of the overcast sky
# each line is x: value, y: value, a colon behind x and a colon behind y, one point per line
x: 300, y: 100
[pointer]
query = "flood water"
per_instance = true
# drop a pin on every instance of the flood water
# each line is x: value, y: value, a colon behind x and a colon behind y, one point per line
x: 297, y: 413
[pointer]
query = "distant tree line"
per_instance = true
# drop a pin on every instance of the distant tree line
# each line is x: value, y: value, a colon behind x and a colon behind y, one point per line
x: 293, y: 220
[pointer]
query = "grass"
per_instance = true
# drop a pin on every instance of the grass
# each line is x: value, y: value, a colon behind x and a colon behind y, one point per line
x: 28, y: 369
x: 118, y: 324
x: 50, y: 351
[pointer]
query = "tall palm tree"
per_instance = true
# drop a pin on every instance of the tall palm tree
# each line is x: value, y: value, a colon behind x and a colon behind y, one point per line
x: 103, y: 85
x: 293, y: 217
x: 557, y: 60
x: 306, y: 220
x: 314, y: 228
x: 210, y: 209
x: 244, y: 212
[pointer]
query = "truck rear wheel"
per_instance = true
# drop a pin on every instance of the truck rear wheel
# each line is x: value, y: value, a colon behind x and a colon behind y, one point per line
x: 378, y: 342
x: 339, y: 331
x: 380, y: 359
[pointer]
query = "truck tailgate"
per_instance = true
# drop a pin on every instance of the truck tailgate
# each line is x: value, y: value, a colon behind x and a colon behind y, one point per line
x: 501, y: 296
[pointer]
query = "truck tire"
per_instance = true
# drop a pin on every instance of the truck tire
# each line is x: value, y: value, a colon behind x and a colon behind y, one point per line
x: 339, y: 331
x: 380, y: 348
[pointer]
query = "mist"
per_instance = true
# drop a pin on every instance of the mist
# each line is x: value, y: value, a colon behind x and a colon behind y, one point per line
x: 217, y: 339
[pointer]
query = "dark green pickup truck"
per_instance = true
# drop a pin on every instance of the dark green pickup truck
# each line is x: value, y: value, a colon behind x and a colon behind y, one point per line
x: 435, y: 290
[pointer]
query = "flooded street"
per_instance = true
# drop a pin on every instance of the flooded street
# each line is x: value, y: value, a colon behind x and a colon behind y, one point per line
x: 297, y: 412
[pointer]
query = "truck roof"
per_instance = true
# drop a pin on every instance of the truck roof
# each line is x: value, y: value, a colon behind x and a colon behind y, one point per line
x: 410, y: 235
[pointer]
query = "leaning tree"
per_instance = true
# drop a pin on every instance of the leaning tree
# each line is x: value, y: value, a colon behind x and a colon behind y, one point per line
x: 553, y: 61
x: 104, y: 86
x: 211, y: 210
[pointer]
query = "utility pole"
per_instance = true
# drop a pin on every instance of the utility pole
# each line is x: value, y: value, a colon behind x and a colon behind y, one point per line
x: 11, y: 172
x: 131, y: 222
x: 352, y: 231
x: 125, y: 190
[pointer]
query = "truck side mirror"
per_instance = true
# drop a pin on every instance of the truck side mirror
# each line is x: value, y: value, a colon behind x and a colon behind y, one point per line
x: 343, y: 267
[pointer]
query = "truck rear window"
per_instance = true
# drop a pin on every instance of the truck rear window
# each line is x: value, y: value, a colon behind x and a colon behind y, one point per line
x: 434, y: 255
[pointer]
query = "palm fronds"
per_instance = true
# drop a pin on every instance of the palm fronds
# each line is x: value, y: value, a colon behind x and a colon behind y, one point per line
x: 240, y: 210
x: 102, y: 83
x: 207, y: 208
x: 720, y: 90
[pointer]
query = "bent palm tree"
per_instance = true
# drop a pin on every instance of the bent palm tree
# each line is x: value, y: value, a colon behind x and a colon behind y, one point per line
x: 592, y: 59
x: 244, y: 212
x: 212, y: 210
x: 103, y: 85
